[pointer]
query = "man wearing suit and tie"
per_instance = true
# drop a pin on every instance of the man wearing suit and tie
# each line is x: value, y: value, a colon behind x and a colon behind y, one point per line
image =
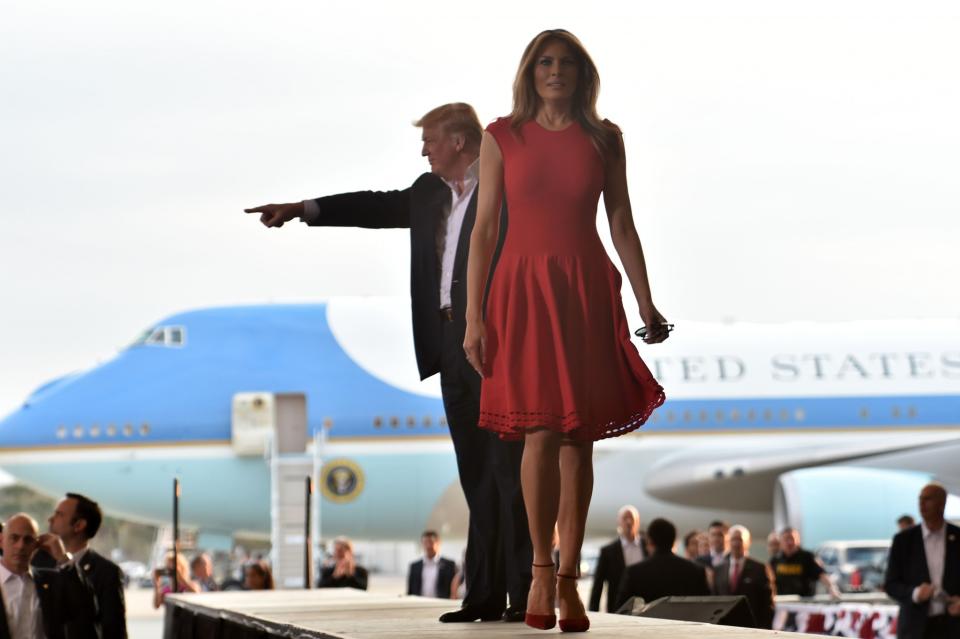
x: 627, y: 549
x: 431, y: 575
x: 76, y: 520
x: 717, y: 535
x: 440, y: 209
x: 664, y: 574
x: 740, y: 574
x: 923, y: 572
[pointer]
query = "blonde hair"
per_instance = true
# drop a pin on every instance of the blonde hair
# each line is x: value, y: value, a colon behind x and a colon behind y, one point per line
x: 345, y: 542
x: 456, y: 118
x: 526, y: 100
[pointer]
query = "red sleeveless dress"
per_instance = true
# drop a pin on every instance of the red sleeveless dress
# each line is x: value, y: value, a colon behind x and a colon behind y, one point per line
x: 558, y: 349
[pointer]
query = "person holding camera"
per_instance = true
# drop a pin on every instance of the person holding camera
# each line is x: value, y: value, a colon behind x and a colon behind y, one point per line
x: 163, y: 579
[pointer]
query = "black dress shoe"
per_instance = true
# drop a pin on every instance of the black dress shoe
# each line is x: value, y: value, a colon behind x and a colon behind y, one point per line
x: 471, y: 613
x: 514, y: 614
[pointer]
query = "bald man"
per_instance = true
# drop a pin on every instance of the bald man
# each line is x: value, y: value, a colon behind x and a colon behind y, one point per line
x: 923, y: 572
x: 34, y: 603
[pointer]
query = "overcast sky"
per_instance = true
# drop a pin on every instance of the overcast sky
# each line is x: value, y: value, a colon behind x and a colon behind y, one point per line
x: 787, y: 160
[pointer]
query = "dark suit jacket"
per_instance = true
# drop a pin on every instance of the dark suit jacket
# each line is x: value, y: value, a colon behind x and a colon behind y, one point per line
x: 94, y: 592
x: 663, y: 575
x: 420, y: 208
x: 907, y: 569
x: 756, y: 583
x: 445, y: 572
x: 609, y: 571
x: 707, y: 560
x: 54, y: 604
x: 104, y: 581
x: 358, y: 581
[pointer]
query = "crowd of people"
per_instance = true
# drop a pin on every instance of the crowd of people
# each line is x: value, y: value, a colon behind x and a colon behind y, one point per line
x: 52, y: 584
x: 715, y: 562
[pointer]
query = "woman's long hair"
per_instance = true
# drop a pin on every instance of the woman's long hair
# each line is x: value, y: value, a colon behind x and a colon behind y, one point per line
x: 262, y: 568
x: 526, y: 100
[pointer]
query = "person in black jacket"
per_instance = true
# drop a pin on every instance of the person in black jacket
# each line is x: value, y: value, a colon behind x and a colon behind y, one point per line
x: 740, y: 574
x: 343, y: 571
x: 923, y: 572
x: 627, y: 549
x: 431, y: 575
x: 717, y: 535
x: 664, y: 574
x: 797, y: 570
x: 440, y: 210
x: 76, y: 520
x: 22, y: 584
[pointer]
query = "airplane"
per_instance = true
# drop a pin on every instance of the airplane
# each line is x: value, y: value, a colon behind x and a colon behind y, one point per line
x: 829, y: 427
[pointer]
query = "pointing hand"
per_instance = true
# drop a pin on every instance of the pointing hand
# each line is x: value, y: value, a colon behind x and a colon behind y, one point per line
x: 275, y: 215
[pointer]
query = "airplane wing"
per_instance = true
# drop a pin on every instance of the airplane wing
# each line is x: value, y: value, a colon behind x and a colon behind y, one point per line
x: 744, y: 480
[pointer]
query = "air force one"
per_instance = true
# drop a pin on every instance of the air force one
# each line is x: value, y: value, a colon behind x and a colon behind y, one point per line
x: 828, y: 427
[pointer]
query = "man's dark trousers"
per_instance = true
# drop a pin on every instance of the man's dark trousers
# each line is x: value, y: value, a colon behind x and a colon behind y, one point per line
x: 499, y: 552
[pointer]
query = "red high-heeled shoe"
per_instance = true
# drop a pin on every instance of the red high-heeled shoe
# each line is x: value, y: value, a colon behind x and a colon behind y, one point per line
x: 579, y: 624
x: 541, y: 622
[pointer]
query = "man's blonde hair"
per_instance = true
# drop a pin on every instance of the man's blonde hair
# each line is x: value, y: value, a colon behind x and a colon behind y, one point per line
x: 456, y: 118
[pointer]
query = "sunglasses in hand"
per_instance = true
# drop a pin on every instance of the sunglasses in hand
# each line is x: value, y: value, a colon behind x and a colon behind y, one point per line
x: 642, y: 331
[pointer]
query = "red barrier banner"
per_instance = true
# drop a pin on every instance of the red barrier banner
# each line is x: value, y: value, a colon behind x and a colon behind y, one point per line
x: 860, y: 620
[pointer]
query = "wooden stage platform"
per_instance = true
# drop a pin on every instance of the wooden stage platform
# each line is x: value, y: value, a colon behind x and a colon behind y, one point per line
x: 352, y: 614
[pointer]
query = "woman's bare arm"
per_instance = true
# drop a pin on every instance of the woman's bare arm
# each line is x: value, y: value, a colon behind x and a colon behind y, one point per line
x: 626, y: 241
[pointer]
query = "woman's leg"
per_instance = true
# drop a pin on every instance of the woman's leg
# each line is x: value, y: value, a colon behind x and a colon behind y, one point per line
x: 576, y: 489
x: 540, y: 480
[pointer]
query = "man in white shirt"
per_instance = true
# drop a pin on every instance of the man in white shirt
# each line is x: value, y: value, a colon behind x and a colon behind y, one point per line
x: 440, y: 210
x: 32, y: 601
x: 628, y: 549
x: 923, y: 572
x: 431, y: 575
x: 740, y: 574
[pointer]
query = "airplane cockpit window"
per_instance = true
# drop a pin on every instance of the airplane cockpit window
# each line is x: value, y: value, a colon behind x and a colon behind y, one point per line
x: 170, y: 336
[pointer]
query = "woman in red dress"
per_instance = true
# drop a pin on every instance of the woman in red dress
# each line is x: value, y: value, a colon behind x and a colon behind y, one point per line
x: 553, y: 345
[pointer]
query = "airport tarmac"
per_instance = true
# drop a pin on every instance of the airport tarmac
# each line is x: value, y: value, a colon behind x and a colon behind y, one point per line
x: 353, y: 614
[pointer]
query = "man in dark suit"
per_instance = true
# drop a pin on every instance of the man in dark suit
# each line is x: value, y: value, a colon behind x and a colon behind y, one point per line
x: 923, y: 572
x: 440, y: 210
x: 717, y: 537
x: 664, y: 574
x: 32, y: 600
x: 627, y: 549
x: 431, y: 575
x: 740, y: 574
x: 76, y: 520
